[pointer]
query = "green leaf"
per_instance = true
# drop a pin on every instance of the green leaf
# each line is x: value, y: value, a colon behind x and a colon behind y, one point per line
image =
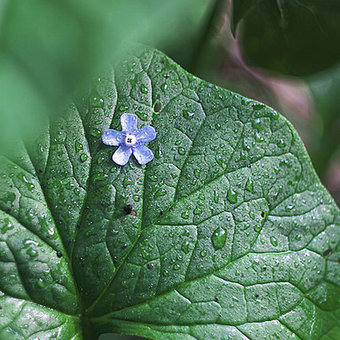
x: 240, y: 9
x: 293, y: 37
x: 231, y: 233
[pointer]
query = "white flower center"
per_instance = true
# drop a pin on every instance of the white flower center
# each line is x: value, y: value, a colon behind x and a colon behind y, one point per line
x: 130, y: 140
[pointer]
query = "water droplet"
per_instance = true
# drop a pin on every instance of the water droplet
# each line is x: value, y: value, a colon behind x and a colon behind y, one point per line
x: 256, y: 123
x: 78, y: 146
x: 100, y: 160
x: 164, y: 87
x: 123, y: 108
x: 30, y: 186
x: 290, y: 207
x: 152, y: 178
x: 159, y: 193
x: 281, y: 143
x: 185, y: 215
x: 216, y: 197
x: 218, y: 126
x: 32, y: 252
x: 185, y: 246
x: 41, y: 283
x: 191, y: 77
x: 188, y: 115
x: 181, y: 150
x: 203, y: 253
x: 177, y: 266
x: 97, y: 101
x: 127, y: 181
x: 245, y: 145
x: 7, y: 226
x: 250, y: 185
x: 95, y: 132
x: 219, y: 238
x: 257, y: 228
x: 158, y: 152
x: 144, y: 89
x: 197, y: 173
x: 142, y: 116
x: 275, y: 115
x: 10, y: 197
x: 83, y: 157
x: 273, y: 241
x: 197, y: 211
x: 232, y: 196
x: 251, y: 215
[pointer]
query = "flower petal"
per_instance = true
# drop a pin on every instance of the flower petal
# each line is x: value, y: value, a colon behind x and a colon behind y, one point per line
x: 129, y: 122
x: 113, y: 137
x: 143, y: 154
x: 147, y: 134
x: 122, y: 155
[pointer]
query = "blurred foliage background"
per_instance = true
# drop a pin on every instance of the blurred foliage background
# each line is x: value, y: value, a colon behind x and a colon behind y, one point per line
x: 284, y: 53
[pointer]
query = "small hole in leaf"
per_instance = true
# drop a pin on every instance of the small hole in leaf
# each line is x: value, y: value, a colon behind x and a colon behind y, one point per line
x: 217, y: 299
x: 128, y: 209
x: 257, y: 296
x: 327, y: 252
x: 59, y: 254
x: 161, y: 212
x: 263, y: 214
x: 157, y: 107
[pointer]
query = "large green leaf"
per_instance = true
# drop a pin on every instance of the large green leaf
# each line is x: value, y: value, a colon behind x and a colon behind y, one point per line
x: 231, y: 236
x: 295, y: 37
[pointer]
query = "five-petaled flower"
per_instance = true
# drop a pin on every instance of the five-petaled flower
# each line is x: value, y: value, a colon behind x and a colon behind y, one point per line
x: 130, y: 140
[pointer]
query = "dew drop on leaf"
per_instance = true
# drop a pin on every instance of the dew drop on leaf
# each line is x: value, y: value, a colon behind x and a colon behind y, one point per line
x: 188, y: 114
x: 144, y: 89
x: 232, y: 196
x: 197, y: 211
x: 185, y: 215
x: 273, y: 241
x: 203, y: 253
x: 185, y: 246
x: 123, y: 108
x: 83, y: 157
x: 176, y: 266
x: 219, y: 238
x: 181, y: 151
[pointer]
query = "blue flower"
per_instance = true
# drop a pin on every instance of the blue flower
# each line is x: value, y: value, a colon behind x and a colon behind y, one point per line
x: 130, y: 140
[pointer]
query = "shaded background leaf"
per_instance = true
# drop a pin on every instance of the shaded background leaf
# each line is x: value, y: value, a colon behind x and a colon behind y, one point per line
x: 49, y: 50
x: 295, y: 37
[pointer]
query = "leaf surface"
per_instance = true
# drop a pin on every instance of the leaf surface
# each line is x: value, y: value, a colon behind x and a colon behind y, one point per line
x: 231, y: 234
